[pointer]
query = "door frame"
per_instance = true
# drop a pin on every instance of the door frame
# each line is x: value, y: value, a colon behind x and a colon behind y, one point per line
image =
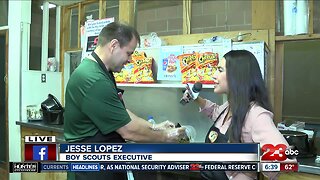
x: 5, y: 166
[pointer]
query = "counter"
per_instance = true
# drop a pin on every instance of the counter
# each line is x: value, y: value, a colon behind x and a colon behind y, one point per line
x: 56, y: 129
x: 41, y: 125
x: 306, y: 165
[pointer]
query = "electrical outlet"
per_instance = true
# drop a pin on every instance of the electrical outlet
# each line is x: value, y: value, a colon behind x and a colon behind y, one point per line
x: 43, y: 78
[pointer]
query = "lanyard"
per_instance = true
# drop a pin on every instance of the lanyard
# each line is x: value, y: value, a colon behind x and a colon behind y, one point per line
x: 109, y: 74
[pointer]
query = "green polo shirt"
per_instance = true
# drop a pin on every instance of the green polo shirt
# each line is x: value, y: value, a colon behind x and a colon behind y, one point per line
x: 91, y: 103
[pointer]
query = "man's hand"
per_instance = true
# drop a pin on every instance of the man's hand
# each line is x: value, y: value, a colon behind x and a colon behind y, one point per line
x: 177, y: 135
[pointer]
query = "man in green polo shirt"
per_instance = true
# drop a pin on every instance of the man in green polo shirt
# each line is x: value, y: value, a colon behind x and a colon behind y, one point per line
x: 94, y: 110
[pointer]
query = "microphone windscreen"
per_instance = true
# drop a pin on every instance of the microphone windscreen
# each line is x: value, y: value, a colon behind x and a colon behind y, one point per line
x: 197, y: 87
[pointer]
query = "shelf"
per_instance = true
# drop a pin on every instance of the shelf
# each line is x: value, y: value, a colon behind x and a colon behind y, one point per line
x: 298, y: 37
x: 157, y: 85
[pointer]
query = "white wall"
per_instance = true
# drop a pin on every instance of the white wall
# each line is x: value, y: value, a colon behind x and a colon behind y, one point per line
x: 24, y: 86
x: 34, y: 92
x: 19, y: 13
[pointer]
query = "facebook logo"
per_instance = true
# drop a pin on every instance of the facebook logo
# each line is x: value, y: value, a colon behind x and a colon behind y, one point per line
x: 40, y: 153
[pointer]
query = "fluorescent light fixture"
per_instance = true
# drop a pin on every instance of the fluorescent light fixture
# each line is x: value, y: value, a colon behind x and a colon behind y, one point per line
x: 50, y: 6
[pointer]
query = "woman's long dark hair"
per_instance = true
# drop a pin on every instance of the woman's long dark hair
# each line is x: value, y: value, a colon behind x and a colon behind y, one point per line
x: 245, y: 85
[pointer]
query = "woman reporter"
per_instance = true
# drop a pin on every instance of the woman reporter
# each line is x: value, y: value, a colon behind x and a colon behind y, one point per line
x: 246, y: 117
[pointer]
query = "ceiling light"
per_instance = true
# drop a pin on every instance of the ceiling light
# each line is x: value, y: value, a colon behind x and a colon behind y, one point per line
x: 50, y: 6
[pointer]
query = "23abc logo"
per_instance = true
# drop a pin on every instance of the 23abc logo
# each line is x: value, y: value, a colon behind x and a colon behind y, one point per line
x: 278, y: 152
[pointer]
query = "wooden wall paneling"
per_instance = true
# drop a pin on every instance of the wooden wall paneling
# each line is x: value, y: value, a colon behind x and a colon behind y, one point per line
x: 264, y: 17
x: 298, y: 37
x: 256, y: 35
x: 102, y: 9
x: 6, y: 94
x: 88, y: 2
x: 310, y: 31
x: 81, y: 18
x: 72, y: 6
x: 126, y: 11
x: 64, y: 42
x: 186, y: 24
x: 4, y: 173
x: 4, y: 167
x: 271, y: 66
x: 65, y: 32
x: 278, y: 98
x: 263, y: 14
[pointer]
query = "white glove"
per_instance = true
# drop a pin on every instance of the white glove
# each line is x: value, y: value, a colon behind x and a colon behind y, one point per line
x: 163, y: 126
x: 177, y: 135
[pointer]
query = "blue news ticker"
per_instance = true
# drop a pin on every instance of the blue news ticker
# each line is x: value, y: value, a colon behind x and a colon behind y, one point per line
x: 70, y: 167
x: 55, y: 166
x: 84, y: 167
x: 217, y: 166
x: 163, y: 148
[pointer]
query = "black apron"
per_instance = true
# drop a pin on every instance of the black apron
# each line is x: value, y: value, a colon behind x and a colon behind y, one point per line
x: 112, y: 137
x: 215, y: 136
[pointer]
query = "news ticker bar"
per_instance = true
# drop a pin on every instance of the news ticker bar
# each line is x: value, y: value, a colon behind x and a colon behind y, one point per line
x: 37, y: 167
x: 158, y: 157
x: 159, y: 148
x: 35, y: 151
x: 159, y: 152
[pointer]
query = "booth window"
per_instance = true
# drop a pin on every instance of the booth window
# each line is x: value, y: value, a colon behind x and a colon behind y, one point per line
x: 112, y: 9
x: 52, y: 32
x: 91, y: 11
x: 74, y: 28
x: 35, y: 36
x: 75, y: 15
x: 44, y: 30
x: 3, y: 13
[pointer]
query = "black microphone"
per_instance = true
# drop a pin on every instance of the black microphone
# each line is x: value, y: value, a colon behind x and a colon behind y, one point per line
x: 197, y: 87
x: 193, y: 92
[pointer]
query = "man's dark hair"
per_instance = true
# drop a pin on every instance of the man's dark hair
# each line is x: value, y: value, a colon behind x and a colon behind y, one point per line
x: 123, y: 33
x: 245, y: 85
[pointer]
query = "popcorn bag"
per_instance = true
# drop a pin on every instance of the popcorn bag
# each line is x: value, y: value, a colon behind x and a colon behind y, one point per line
x: 139, y: 70
x: 126, y: 75
x: 142, y: 68
x: 206, y: 66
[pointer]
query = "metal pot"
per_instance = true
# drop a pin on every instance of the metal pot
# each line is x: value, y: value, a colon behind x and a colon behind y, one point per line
x: 299, y: 140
